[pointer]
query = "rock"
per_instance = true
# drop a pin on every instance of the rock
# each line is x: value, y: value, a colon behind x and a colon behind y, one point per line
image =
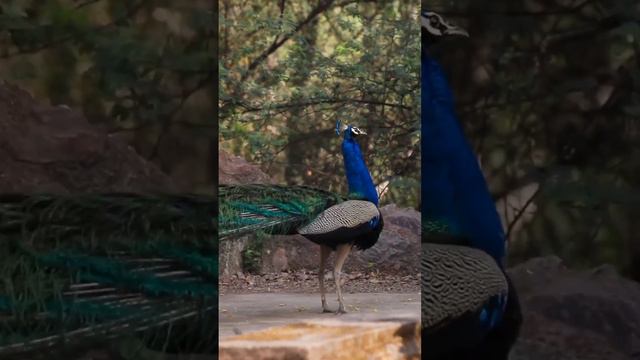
x: 231, y: 256
x: 294, y: 251
x: 55, y: 149
x: 546, y: 339
x: 279, y: 260
x: 236, y: 170
x: 570, y: 314
x: 398, y: 248
x: 328, y: 339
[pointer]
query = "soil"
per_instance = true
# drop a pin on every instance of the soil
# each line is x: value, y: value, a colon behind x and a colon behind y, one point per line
x: 303, y: 281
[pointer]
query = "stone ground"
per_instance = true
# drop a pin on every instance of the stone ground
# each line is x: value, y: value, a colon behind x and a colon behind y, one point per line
x: 240, y: 313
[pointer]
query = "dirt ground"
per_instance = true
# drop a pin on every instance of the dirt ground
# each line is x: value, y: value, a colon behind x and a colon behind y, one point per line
x: 240, y: 313
x: 305, y: 281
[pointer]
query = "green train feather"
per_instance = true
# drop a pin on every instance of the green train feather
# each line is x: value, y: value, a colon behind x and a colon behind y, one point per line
x: 80, y: 270
x: 246, y: 209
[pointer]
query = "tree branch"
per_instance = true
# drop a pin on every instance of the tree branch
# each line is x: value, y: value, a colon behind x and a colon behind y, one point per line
x: 520, y: 212
x: 250, y: 109
x: 61, y: 40
x: 322, y: 6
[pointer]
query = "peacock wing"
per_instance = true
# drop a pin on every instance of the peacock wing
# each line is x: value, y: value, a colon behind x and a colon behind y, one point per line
x: 350, y: 214
x: 463, y: 295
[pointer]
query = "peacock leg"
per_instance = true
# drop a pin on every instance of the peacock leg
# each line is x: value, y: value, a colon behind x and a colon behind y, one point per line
x: 341, y: 255
x: 324, y: 254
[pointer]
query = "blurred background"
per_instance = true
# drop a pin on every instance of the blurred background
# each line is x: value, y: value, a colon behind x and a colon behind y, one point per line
x: 549, y: 95
x: 142, y: 70
x: 289, y: 70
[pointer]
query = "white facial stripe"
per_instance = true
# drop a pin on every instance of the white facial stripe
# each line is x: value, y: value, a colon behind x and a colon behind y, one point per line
x: 433, y: 22
x: 436, y: 25
x: 431, y: 29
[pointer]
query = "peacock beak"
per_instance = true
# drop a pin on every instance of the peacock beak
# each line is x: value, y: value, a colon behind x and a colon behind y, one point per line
x: 340, y: 127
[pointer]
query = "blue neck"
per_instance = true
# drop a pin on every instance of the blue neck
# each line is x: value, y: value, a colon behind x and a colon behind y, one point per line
x: 358, y: 177
x: 454, y: 190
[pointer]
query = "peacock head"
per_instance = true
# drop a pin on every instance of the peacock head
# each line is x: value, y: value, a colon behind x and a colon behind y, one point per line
x: 349, y: 131
x: 436, y: 26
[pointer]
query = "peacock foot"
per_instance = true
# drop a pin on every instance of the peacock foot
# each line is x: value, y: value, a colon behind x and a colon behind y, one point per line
x: 341, y: 310
x: 325, y: 308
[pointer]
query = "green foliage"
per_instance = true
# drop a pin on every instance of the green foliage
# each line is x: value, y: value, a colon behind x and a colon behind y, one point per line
x: 252, y: 256
x: 548, y: 92
x: 287, y: 75
x: 144, y: 68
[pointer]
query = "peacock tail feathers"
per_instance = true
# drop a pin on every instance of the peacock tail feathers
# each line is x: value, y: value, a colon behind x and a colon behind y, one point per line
x: 79, y: 220
x: 80, y: 269
x: 269, y: 208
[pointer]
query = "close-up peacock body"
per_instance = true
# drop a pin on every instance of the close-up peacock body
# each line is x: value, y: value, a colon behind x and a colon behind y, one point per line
x: 336, y: 223
x: 82, y: 272
x: 470, y: 309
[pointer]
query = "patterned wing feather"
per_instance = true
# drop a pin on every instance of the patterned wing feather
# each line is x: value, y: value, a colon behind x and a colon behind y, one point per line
x: 349, y: 214
x: 457, y: 280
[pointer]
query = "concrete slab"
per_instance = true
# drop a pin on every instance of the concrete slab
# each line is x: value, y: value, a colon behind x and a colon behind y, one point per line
x: 240, y: 313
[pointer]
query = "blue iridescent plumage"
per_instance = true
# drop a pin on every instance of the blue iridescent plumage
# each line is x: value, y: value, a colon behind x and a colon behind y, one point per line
x: 454, y: 190
x: 458, y: 210
x: 358, y: 176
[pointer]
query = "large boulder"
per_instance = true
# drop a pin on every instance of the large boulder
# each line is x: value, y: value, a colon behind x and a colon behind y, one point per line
x: 236, y: 170
x: 55, y: 149
x: 571, y: 314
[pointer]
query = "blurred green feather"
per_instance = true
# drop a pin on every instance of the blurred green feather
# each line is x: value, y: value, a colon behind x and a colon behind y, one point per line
x: 83, y: 269
x: 246, y: 209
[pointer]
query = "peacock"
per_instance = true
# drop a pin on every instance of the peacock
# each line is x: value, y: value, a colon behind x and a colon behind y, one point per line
x: 337, y: 223
x: 85, y: 272
x: 470, y: 309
